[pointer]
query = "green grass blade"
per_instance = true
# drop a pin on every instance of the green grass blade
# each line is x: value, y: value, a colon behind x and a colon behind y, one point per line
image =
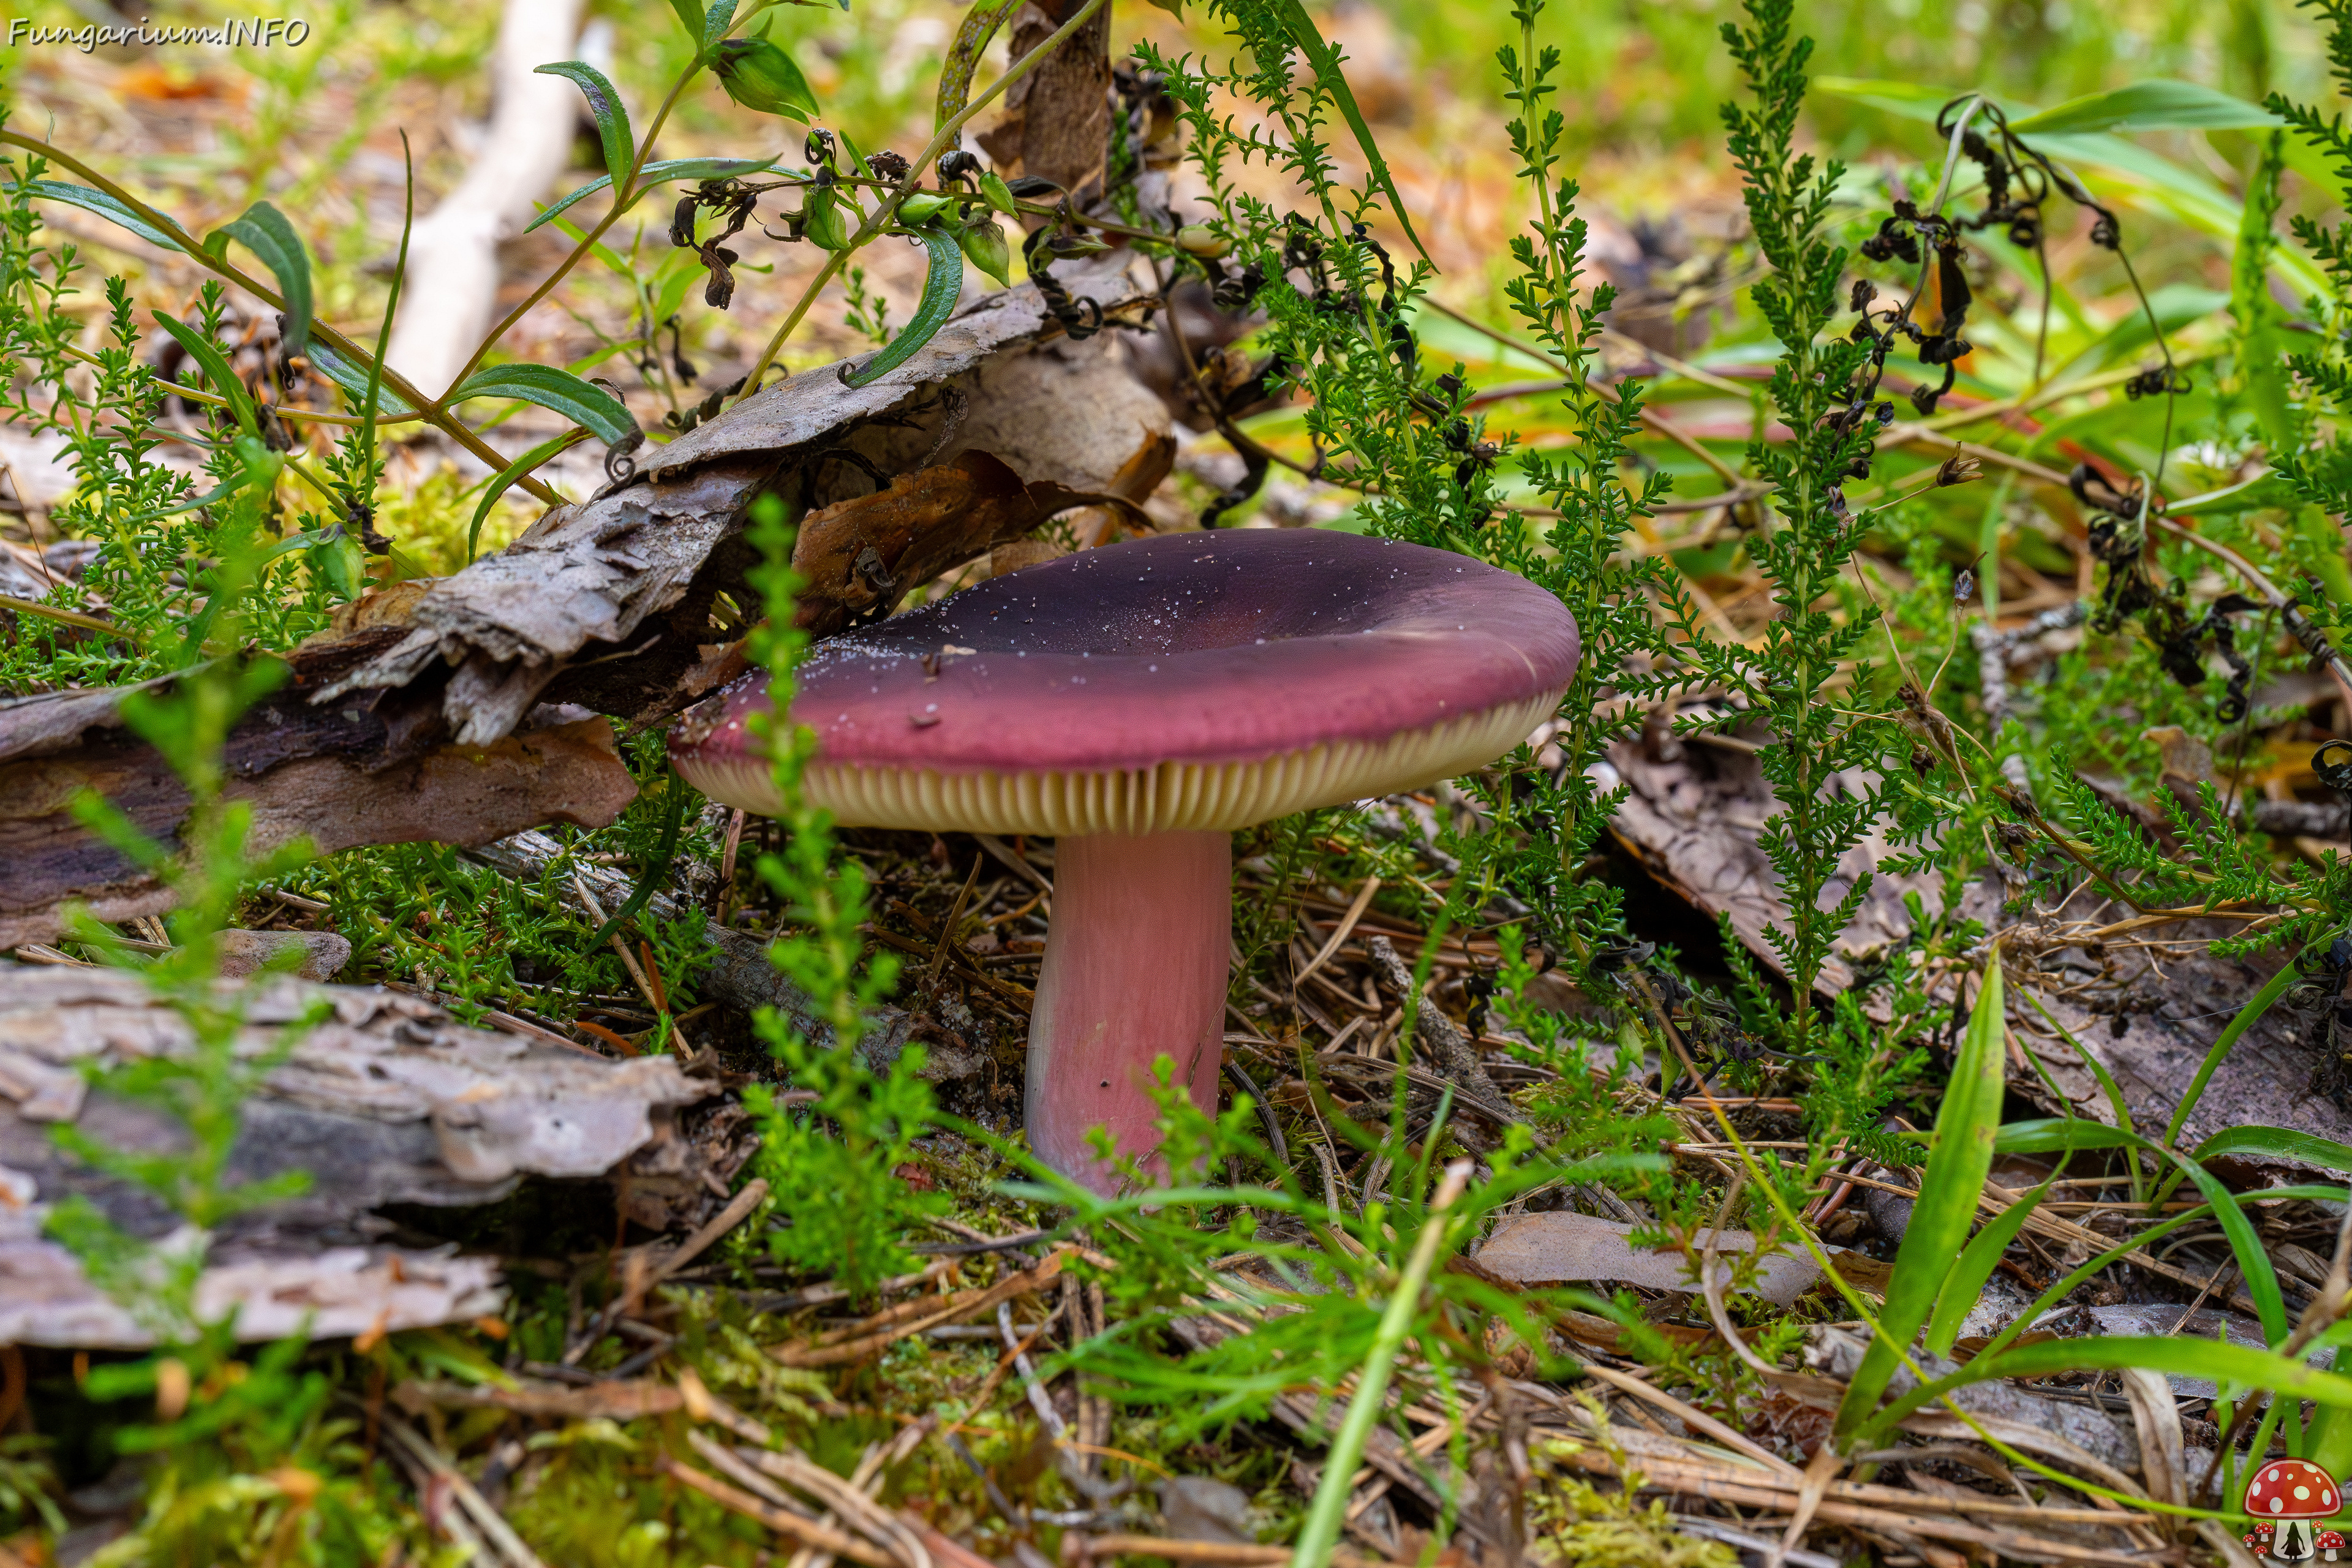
x: 2253, y: 1259
x: 215, y: 366
x: 1967, y: 1278
x: 1325, y: 61
x: 2324, y: 1154
x: 560, y: 390
x: 2062, y: 1289
x: 2260, y: 1003
x: 2183, y: 1357
x: 2158, y: 105
x: 2279, y: 1142
x: 2107, y: 1084
x: 605, y: 107
x: 505, y: 479
x: 1321, y: 1532
x: 943, y: 284
x: 1959, y: 1155
x: 263, y: 230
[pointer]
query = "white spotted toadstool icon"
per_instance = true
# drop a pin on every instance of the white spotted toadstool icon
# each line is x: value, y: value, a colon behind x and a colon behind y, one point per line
x: 1138, y: 703
x: 2291, y: 1494
x: 2330, y: 1544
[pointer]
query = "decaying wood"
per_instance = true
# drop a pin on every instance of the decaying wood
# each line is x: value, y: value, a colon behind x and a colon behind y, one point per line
x: 46, y: 1299
x: 1693, y: 821
x: 1457, y: 1058
x: 387, y: 1100
x: 857, y: 555
x: 340, y: 775
x: 2172, y: 1004
x: 607, y: 604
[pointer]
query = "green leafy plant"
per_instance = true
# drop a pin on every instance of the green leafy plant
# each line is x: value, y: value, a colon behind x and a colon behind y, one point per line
x: 832, y: 1151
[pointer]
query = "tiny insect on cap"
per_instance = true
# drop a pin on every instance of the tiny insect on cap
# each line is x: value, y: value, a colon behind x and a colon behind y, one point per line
x: 1184, y: 682
x: 2290, y: 1489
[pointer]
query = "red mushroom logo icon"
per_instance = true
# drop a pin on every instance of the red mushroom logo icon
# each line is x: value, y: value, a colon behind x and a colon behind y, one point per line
x: 2290, y: 1496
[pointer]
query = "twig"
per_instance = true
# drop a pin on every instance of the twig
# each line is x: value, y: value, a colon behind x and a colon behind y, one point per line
x: 806, y: 1531
x: 628, y: 959
x: 1696, y: 1419
x: 849, y: 1351
x: 1339, y: 933
x: 494, y: 1525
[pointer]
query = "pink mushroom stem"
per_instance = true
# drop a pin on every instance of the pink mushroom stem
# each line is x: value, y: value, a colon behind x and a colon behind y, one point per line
x: 1136, y: 960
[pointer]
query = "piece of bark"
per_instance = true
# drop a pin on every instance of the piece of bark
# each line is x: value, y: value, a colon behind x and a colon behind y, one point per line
x: 858, y: 556
x: 451, y: 281
x: 340, y: 775
x: 1563, y: 1246
x: 46, y: 1299
x: 607, y: 604
x: 387, y: 1100
x: 1838, y: 1352
x: 1057, y: 121
x: 384, y: 1100
x: 1692, y: 823
x: 2172, y: 1006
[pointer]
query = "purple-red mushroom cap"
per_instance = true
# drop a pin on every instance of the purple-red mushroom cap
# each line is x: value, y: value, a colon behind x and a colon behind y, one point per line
x: 1192, y: 680
x: 1138, y: 703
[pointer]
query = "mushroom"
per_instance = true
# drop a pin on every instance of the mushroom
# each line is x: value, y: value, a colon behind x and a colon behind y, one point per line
x: 2329, y: 1543
x: 1138, y: 703
x: 2291, y: 1493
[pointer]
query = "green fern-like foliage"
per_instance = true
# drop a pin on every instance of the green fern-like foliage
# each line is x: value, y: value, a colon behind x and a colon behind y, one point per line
x: 1817, y: 390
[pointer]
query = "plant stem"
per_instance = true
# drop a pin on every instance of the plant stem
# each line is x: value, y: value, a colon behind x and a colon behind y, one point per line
x: 622, y: 200
x: 1323, y: 1521
x: 428, y: 409
x: 889, y: 207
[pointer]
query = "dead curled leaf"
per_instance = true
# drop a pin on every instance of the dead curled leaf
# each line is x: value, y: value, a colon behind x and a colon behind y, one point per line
x: 859, y: 556
x: 1562, y: 1245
